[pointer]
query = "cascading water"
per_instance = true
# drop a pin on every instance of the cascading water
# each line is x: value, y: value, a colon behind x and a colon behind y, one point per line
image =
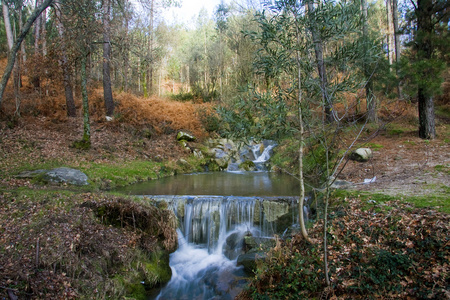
x: 211, y: 235
x: 217, y: 233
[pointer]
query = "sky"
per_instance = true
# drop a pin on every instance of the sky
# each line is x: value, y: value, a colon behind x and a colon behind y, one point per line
x: 189, y: 10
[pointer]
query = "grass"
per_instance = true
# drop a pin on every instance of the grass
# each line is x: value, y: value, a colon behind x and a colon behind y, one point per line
x: 375, y: 146
x: 443, y: 169
x: 437, y: 199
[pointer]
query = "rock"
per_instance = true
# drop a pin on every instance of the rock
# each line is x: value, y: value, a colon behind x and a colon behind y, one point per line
x: 66, y: 175
x: 184, y: 136
x: 30, y: 174
x: 249, y: 260
x: 340, y: 184
x: 58, y: 175
x: 234, y: 245
x: 361, y: 154
x: 248, y: 166
x: 233, y: 167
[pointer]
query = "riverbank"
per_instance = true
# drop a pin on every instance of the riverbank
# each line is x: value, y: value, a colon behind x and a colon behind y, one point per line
x: 68, y: 242
x: 63, y: 223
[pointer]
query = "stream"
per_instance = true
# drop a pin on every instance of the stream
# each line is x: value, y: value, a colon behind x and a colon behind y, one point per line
x: 218, y: 213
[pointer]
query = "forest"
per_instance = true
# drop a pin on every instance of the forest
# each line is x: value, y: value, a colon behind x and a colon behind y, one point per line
x: 105, y: 86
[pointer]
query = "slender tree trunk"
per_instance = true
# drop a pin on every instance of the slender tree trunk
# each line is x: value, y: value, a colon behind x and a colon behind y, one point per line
x: 43, y: 18
x: 8, y: 29
x: 16, y: 68
x: 424, y: 52
x: 389, y: 32
x: 301, y: 202
x: 22, y: 46
x: 126, y: 59
x: 370, y: 96
x: 150, y: 71
x: 16, y: 46
x: 35, y: 79
x: 397, y: 42
x: 86, y: 140
x: 67, y: 80
x: 318, y: 49
x: 107, y: 90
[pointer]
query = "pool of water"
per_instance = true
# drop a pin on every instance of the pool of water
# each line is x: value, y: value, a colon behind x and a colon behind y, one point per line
x: 219, y: 183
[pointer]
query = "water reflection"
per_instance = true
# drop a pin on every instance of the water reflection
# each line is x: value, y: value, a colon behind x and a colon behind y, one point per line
x: 219, y: 183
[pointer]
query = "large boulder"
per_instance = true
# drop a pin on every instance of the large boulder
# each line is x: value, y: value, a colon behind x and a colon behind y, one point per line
x: 58, y: 175
x: 67, y: 175
x: 361, y: 154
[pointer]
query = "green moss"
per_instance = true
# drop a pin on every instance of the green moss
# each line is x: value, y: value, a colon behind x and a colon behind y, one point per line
x: 247, y: 165
x: 443, y: 169
x: 375, y: 146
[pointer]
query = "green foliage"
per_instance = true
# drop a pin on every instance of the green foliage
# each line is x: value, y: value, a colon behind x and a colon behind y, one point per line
x: 183, y: 97
x: 284, y: 275
x: 411, y: 74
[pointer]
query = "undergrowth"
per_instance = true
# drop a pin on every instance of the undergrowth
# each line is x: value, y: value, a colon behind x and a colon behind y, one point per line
x: 398, y: 253
x: 64, y: 245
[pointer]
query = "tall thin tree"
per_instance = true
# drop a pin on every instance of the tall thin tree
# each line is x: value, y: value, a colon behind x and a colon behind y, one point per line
x: 107, y: 90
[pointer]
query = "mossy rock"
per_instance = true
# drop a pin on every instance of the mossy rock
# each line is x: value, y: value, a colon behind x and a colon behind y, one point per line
x: 248, y: 165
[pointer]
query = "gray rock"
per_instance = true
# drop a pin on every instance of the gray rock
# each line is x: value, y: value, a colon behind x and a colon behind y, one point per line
x: 361, y: 154
x: 248, y: 260
x: 67, y: 175
x: 184, y: 136
x: 31, y: 174
x: 340, y: 184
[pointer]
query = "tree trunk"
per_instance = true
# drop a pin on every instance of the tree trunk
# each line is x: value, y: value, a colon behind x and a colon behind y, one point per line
x: 126, y: 59
x: 150, y: 71
x: 318, y: 49
x: 9, y: 33
x: 424, y: 52
x: 16, y: 46
x: 22, y: 46
x: 107, y: 90
x: 10, y: 40
x: 389, y: 32
x: 67, y: 80
x: 397, y: 42
x: 35, y: 79
x: 301, y: 201
x: 86, y: 140
x: 370, y: 97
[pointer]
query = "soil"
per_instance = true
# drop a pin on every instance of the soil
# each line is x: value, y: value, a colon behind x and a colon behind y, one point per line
x: 403, y: 165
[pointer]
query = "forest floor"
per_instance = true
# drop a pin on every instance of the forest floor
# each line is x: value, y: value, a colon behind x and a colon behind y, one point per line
x: 405, y: 165
x: 406, y: 168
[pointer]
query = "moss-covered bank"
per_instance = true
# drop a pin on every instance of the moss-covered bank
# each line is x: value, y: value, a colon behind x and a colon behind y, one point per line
x: 64, y: 245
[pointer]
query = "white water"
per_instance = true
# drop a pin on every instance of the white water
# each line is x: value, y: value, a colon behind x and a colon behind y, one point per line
x: 264, y: 156
x: 201, y: 266
x: 199, y: 274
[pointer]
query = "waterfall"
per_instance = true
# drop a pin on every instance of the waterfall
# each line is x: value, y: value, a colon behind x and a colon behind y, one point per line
x: 211, y: 237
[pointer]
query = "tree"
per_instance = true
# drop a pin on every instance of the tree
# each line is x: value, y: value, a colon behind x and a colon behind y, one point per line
x: 430, y: 15
x: 370, y: 95
x: 107, y: 90
x: 67, y: 78
x: 12, y: 55
x: 10, y: 39
x: 321, y: 68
